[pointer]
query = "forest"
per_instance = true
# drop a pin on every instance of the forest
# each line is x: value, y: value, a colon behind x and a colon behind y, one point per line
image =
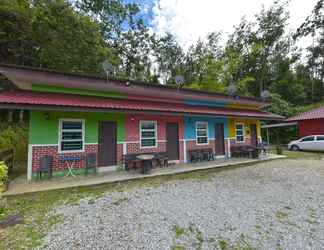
x: 260, y: 54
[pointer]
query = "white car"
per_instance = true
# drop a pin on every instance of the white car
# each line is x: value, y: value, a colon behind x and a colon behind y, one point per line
x: 311, y: 143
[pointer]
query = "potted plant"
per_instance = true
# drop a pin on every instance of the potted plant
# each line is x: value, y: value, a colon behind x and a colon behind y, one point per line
x: 3, y: 176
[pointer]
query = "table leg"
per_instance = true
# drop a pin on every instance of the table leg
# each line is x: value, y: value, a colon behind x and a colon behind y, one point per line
x: 70, y: 169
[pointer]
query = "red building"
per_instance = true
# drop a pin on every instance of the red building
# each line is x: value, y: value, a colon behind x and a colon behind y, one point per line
x: 310, y: 122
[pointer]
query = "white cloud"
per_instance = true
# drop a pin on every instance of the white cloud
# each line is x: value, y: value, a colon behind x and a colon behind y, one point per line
x: 190, y: 20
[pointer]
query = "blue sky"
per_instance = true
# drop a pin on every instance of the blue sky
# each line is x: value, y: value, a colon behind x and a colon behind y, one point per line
x: 190, y: 20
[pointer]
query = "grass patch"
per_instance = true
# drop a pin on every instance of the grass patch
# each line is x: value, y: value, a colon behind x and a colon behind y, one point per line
x: 281, y: 216
x: 120, y: 201
x: 240, y: 244
x: 301, y: 154
x: 178, y: 247
x: 223, y: 244
x: 178, y: 231
x: 312, y: 217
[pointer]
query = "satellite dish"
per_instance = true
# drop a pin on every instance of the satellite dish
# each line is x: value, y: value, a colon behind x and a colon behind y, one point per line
x: 107, y: 67
x: 179, y: 80
x: 231, y: 89
x: 265, y: 94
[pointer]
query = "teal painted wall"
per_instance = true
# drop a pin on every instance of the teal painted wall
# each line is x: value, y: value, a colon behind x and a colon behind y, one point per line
x: 45, y: 131
x: 190, y: 126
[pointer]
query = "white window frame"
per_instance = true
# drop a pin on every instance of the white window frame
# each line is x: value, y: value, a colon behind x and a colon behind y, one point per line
x: 243, y: 132
x: 150, y: 130
x: 207, y: 133
x: 61, y: 133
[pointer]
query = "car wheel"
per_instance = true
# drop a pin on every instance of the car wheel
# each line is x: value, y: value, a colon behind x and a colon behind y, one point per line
x: 294, y: 148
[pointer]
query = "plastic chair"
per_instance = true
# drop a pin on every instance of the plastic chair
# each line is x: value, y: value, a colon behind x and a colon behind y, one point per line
x: 91, y: 162
x: 46, y: 166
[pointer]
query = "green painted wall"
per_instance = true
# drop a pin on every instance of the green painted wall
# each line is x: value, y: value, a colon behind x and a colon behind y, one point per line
x: 43, y: 131
x: 55, y: 89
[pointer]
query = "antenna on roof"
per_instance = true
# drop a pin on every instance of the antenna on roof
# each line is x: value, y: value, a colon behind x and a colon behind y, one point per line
x: 107, y: 67
x: 179, y: 80
x: 231, y: 89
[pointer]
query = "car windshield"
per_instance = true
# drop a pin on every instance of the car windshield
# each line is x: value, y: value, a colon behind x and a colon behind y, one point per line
x: 309, y: 138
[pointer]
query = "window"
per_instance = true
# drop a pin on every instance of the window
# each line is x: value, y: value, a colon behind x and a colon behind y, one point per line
x: 202, y: 133
x: 239, y: 132
x: 71, y: 135
x: 320, y: 138
x: 309, y: 138
x: 148, y: 134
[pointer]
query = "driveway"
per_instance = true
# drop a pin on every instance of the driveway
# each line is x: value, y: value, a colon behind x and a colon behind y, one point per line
x: 271, y: 205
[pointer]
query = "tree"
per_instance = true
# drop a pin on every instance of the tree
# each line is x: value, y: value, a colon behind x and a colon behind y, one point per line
x: 66, y: 40
x: 314, y: 25
x: 168, y: 57
x: 50, y: 34
x: 16, y: 40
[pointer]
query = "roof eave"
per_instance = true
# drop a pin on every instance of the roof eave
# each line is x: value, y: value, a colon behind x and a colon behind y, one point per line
x: 17, y: 74
x: 39, y: 107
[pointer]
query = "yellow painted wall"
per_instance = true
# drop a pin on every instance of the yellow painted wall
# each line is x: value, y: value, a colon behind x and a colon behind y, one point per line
x: 247, y: 123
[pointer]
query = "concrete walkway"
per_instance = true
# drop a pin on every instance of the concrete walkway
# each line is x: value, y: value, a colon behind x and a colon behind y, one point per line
x: 20, y: 185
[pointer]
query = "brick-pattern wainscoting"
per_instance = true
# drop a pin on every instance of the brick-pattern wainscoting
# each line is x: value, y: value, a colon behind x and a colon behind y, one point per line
x: 191, y: 144
x: 135, y: 148
x: 39, y: 151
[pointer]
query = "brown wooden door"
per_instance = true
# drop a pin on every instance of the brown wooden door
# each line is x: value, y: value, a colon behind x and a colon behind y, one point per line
x: 219, y: 139
x: 172, y: 137
x: 107, y: 143
x: 254, y: 137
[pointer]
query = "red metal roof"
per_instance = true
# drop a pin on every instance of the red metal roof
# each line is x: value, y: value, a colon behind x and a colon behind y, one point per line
x: 30, y: 98
x: 316, y: 113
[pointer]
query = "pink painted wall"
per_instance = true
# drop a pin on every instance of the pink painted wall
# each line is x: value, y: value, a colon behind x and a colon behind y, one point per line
x: 132, y: 126
x: 132, y: 133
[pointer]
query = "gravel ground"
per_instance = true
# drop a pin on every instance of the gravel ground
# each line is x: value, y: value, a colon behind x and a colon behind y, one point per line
x: 271, y: 205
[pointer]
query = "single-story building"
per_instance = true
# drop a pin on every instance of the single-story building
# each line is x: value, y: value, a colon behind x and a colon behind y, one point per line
x: 73, y: 115
x: 310, y: 122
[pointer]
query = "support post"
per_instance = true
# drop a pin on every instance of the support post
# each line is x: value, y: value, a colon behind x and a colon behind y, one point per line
x: 21, y: 115
x: 184, y: 151
x: 10, y: 116
x: 29, y: 162
x: 228, y: 148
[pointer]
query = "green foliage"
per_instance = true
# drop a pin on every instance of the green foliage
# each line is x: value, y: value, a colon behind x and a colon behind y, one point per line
x: 50, y: 34
x: 14, y: 136
x: 3, y: 173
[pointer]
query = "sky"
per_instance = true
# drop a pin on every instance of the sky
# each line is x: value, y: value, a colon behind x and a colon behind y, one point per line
x: 190, y: 20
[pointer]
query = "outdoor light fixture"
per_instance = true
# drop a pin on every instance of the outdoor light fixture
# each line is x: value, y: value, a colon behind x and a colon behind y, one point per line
x: 46, y: 116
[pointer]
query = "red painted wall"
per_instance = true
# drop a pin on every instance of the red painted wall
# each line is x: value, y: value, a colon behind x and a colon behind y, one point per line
x: 311, y: 127
x: 132, y: 136
x: 132, y: 126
